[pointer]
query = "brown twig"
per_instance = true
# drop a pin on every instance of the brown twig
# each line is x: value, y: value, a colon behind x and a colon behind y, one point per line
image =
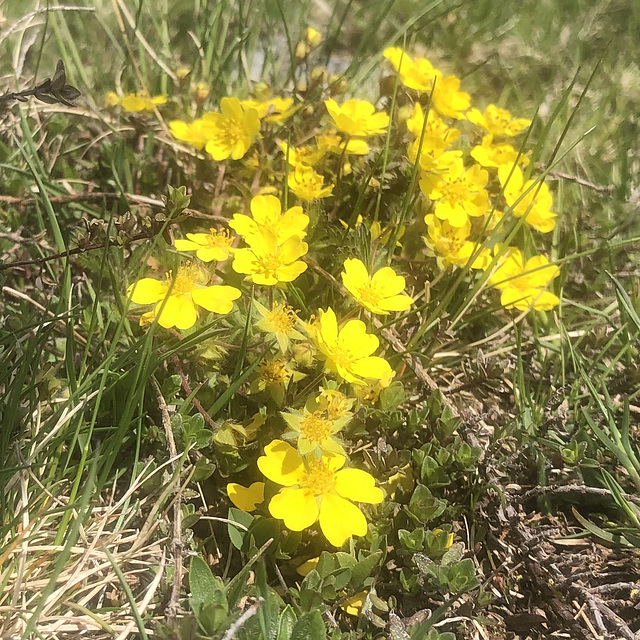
x: 173, y: 608
x: 609, y: 188
x: 187, y: 389
x: 578, y: 489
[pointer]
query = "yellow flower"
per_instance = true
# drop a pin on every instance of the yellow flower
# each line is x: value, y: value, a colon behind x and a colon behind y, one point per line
x: 420, y: 75
x: 267, y: 262
x: 307, y: 184
x: 531, y: 199
x: 452, y: 245
x: 306, y: 155
x: 201, y: 92
x: 246, y: 498
x: 196, y: 133
x: 313, y: 37
x: 140, y: 101
x: 370, y: 392
x: 280, y: 321
x: 331, y: 142
x: 348, y: 351
x: 112, y: 99
x: 318, y: 490
x: 497, y: 121
x: 272, y: 110
x: 307, y: 566
x: 176, y: 298
x: 458, y: 193
x: 433, y: 160
x: 273, y: 375
x: 357, y: 117
x: 523, y: 285
x: 231, y: 132
x: 266, y: 215
x: 353, y: 605
x: 448, y: 99
x: 437, y: 134
x: 215, y: 245
x: 489, y: 154
x: 332, y: 403
x: 417, y: 74
x: 379, y: 293
x: 315, y: 431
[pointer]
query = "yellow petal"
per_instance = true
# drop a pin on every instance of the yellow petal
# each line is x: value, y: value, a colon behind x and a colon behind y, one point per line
x: 340, y: 519
x: 354, y: 338
x: 372, y: 367
x: 353, y: 605
x: 178, y: 311
x: 281, y: 463
x: 387, y: 282
x: 217, y: 298
x: 246, y: 498
x: 297, y: 507
x: 147, y: 291
x: 358, y: 485
x: 265, y: 209
x: 307, y: 566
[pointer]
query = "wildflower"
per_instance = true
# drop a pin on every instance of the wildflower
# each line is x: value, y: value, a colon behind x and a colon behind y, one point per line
x: 417, y: 74
x: 307, y: 184
x: 215, y: 245
x: 489, y: 154
x: 437, y: 134
x: 176, y: 298
x: 348, y: 351
x: 231, y: 132
x: 318, y: 490
x: 369, y: 393
x: 448, y: 99
x: 246, y: 498
x: 332, y: 403
x: 379, y: 293
x: 266, y: 215
x: 531, y: 199
x: 140, y: 101
x: 523, y: 284
x: 195, y: 133
x: 307, y: 155
x: 314, y: 431
x: 112, y: 99
x: 307, y: 566
x: 273, y: 109
x: 353, y: 605
x: 357, y: 117
x: 313, y: 37
x: 279, y: 321
x: 458, y: 193
x: 498, y: 122
x: 267, y: 262
x: 452, y: 245
x: 272, y: 376
x: 331, y: 142
x: 433, y: 160
x: 201, y: 92
x: 420, y: 74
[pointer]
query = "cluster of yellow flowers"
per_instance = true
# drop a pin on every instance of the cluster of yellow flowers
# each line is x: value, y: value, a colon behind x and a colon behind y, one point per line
x: 462, y: 214
x: 466, y: 197
x: 134, y: 102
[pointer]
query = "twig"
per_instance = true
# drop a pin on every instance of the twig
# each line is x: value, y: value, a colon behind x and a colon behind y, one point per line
x: 174, y: 602
x: 616, y: 586
x: 187, y: 389
x: 240, y: 622
x: 576, y: 489
x: 582, y: 182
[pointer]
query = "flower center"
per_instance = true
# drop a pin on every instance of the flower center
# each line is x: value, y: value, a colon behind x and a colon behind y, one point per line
x: 319, y: 478
x: 315, y: 428
x: 281, y: 317
x: 456, y: 191
x: 269, y: 265
x: 229, y: 133
x: 219, y: 238
x: 185, y: 281
x: 342, y: 357
x: 274, y: 371
x: 370, y: 294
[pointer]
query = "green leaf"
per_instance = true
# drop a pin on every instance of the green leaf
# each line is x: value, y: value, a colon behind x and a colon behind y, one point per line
x: 286, y: 623
x: 362, y: 570
x: 202, y: 582
x: 309, y: 627
x: 237, y: 534
x: 424, y: 506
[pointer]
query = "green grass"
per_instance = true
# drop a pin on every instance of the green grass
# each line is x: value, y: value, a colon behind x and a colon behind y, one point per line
x: 90, y: 486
